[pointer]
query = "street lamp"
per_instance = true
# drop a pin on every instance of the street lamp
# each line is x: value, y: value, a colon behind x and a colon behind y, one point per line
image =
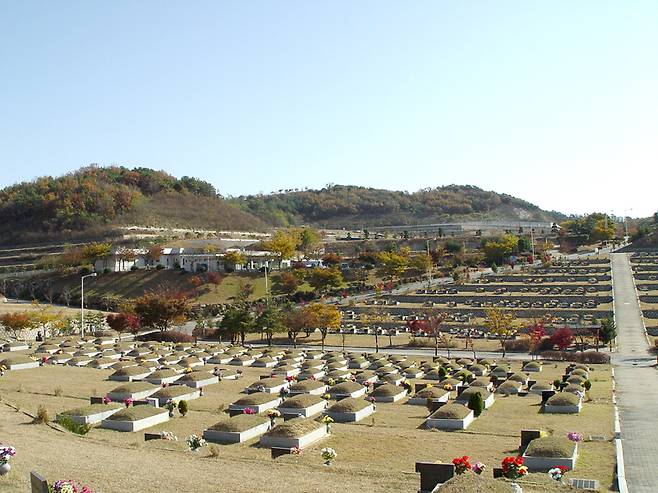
x: 82, y: 302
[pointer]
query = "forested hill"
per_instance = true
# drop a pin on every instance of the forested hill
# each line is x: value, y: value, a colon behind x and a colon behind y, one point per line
x: 354, y: 207
x: 93, y: 199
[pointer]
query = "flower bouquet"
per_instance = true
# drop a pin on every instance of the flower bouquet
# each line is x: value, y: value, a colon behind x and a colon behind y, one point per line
x: 513, y: 467
x: 6, y: 453
x: 171, y: 407
x: 169, y: 436
x: 461, y: 464
x: 248, y: 410
x: 478, y: 467
x: 195, y: 442
x: 128, y: 402
x: 328, y: 455
x: 574, y: 436
x: 273, y: 414
x: 556, y: 473
x: 68, y: 486
x: 327, y: 420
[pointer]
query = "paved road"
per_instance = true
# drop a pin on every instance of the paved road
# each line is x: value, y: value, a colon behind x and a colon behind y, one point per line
x: 637, y: 384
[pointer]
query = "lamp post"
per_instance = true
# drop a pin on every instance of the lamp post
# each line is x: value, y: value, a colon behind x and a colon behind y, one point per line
x: 82, y: 302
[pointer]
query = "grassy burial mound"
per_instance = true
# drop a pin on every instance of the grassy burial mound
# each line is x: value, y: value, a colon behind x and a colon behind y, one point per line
x: 136, y: 413
x: 175, y: 393
x: 451, y: 416
x: 551, y: 446
x: 308, y: 387
x: 239, y: 423
x: 237, y: 429
x: 130, y: 372
x: 451, y: 411
x: 350, y: 409
x: 552, y: 451
x: 509, y: 387
x: 352, y: 389
x: 388, y: 393
x: 255, y: 399
x: 18, y: 362
x: 563, y: 403
x: 303, y: 404
x: 295, y: 428
x: 92, y: 409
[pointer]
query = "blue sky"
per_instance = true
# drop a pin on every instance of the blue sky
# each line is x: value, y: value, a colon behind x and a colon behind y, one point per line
x: 555, y: 102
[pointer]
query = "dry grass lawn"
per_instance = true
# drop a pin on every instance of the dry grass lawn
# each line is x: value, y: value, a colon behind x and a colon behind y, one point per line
x: 376, y: 455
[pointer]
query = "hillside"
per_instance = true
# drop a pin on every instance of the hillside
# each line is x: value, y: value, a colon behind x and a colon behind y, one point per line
x: 356, y: 207
x: 92, y: 200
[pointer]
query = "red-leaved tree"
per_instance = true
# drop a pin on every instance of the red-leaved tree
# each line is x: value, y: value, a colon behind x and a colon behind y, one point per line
x: 123, y: 322
x: 562, y: 338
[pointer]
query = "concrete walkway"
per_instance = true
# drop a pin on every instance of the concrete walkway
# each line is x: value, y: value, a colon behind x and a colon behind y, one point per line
x: 637, y: 383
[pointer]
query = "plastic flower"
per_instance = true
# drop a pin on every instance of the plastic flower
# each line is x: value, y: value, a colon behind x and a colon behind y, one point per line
x: 195, y: 442
x: 106, y: 399
x: 273, y: 413
x: 326, y: 397
x: 168, y: 435
x: 478, y: 467
x: 328, y: 454
x: 461, y: 464
x: 295, y: 451
x: 128, y: 402
x: 249, y: 410
x: 327, y: 420
x: 513, y: 467
x: 574, y: 436
x: 6, y: 453
x: 557, y: 472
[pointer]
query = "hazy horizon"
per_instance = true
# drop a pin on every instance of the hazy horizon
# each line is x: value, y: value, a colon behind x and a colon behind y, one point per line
x: 553, y: 103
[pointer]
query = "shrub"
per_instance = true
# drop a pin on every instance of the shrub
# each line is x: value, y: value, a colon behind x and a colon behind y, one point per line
x: 67, y: 422
x: 159, y: 267
x: 182, y: 407
x: 587, y: 385
x: 521, y: 345
x: 58, y: 391
x: 586, y: 357
x: 213, y: 451
x: 42, y: 416
x: 168, y: 336
x: 476, y: 404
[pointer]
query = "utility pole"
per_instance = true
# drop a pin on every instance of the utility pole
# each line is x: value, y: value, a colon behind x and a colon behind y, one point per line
x: 532, y: 243
x: 82, y: 302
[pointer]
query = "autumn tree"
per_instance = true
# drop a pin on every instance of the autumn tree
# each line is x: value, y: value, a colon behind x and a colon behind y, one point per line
x: 323, y: 317
x: 283, y: 243
x: 234, y: 258
x: 562, y: 338
x: 288, y: 282
x: 496, y: 251
x: 96, y: 251
x: 536, y: 333
x: 154, y: 253
x: 392, y: 264
x: 214, y: 278
x: 16, y: 323
x: 331, y: 259
x: 308, y: 240
x: 501, y: 324
x: 376, y: 317
x: 323, y: 279
x: 297, y: 320
x: 161, y: 309
x: 123, y: 322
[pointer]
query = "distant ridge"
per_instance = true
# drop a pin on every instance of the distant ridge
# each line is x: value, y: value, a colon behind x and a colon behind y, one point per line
x: 93, y: 201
